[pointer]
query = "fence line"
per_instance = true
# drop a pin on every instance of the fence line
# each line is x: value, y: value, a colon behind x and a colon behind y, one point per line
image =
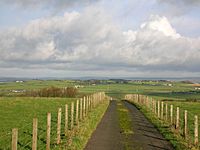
x: 79, y: 111
x: 177, y: 121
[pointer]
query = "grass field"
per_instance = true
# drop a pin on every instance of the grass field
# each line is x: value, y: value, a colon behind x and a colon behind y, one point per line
x: 193, y: 109
x: 177, y: 90
x: 19, y: 111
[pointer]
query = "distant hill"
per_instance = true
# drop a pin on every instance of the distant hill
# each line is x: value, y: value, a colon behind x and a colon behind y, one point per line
x: 185, y: 79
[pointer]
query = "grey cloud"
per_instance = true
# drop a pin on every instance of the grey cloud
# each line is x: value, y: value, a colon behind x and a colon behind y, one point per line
x: 181, y: 2
x: 54, y: 4
x: 91, y: 41
x: 180, y: 7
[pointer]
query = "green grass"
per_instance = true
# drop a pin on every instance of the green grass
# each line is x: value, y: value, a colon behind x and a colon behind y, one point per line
x: 124, y: 119
x: 7, y: 87
x: 125, y: 124
x: 188, y: 95
x: 35, y: 84
x: 117, y: 90
x: 18, y: 113
x: 155, y: 89
x: 192, y: 108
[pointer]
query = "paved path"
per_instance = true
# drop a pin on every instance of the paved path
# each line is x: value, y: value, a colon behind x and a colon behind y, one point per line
x: 107, y: 135
x: 145, y: 136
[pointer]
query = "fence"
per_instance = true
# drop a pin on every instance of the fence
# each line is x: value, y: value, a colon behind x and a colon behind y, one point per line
x: 56, y: 129
x: 182, y: 122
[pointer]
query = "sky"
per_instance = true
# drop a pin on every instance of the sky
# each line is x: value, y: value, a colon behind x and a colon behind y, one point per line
x: 115, y: 38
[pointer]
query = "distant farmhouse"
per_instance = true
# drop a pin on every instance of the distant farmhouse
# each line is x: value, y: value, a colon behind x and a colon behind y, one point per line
x: 19, y: 81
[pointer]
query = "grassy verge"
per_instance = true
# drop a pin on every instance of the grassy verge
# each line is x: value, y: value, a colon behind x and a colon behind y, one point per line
x: 78, y: 138
x: 125, y: 123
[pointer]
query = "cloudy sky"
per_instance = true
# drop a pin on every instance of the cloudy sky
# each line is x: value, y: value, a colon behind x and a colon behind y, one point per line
x: 115, y: 38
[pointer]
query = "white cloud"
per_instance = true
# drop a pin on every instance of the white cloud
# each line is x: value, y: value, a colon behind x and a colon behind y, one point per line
x: 91, y: 41
x: 160, y: 24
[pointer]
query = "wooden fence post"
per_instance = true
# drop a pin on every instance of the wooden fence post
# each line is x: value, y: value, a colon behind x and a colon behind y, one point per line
x: 185, y: 124
x: 147, y: 102
x: 81, y: 109
x: 152, y: 105
x: 95, y: 100
x: 158, y: 109
x: 48, y: 131
x: 166, y: 112
x: 171, y: 114
x: 89, y: 103
x: 177, y: 118
x: 88, y: 108
x: 84, y: 108
x: 59, y: 125
x: 34, y: 138
x: 196, y: 130
x: 77, y: 111
x: 66, y: 119
x: 72, y: 115
x: 14, y: 138
x: 162, y: 108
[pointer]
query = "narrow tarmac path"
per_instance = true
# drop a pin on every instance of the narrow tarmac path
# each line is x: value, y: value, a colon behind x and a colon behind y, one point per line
x: 107, y: 136
x: 145, y: 136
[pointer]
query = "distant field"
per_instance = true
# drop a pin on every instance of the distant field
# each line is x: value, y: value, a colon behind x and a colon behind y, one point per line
x: 8, y: 88
x: 154, y: 89
x: 34, y: 84
x: 171, y: 90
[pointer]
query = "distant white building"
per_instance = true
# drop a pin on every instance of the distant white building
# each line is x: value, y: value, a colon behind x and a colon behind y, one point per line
x: 19, y: 81
x: 18, y: 91
x: 78, y: 86
x: 168, y: 84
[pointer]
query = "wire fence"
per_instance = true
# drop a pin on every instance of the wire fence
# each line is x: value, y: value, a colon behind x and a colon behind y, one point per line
x: 182, y: 122
x: 49, y: 134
